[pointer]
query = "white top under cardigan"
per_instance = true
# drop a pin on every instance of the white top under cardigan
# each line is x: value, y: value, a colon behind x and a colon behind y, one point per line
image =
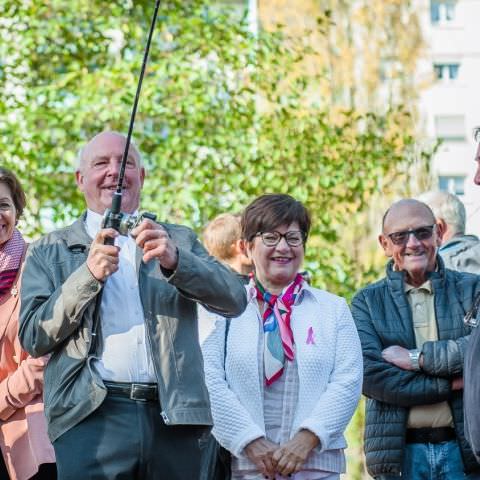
x: 329, y: 371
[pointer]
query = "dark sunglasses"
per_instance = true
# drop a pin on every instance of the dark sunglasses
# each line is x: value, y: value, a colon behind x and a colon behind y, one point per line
x: 420, y: 233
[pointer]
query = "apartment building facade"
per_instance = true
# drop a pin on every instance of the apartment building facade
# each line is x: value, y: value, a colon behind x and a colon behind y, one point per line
x: 450, y: 103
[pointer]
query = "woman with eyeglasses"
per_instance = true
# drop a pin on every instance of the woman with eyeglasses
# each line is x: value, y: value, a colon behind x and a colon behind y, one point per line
x: 26, y: 449
x: 286, y: 382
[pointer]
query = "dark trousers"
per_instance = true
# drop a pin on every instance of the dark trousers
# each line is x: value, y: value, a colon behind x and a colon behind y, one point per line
x: 46, y: 471
x: 127, y: 440
x: 3, y: 469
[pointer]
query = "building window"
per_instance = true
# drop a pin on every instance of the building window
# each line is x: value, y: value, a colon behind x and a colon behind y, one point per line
x: 442, y: 11
x: 450, y: 127
x: 446, y: 71
x: 453, y: 184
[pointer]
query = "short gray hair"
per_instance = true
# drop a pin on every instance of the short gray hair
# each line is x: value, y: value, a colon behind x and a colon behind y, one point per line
x: 133, y: 146
x: 79, y: 159
x: 447, y: 207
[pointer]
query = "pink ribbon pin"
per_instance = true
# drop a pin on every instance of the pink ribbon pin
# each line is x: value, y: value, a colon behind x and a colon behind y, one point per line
x: 310, y: 337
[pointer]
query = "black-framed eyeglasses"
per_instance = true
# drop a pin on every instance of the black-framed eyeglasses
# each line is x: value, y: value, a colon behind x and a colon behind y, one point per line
x: 420, y: 233
x: 294, y: 238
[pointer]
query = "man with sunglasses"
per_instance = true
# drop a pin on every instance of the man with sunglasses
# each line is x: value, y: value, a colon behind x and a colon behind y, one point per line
x: 413, y: 339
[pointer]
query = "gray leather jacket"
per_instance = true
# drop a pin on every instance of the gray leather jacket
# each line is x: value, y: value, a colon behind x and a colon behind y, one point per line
x: 57, y: 313
x: 462, y: 253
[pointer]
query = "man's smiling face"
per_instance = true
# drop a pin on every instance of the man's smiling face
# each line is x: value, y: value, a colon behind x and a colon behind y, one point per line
x: 98, y: 174
x: 415, y: 257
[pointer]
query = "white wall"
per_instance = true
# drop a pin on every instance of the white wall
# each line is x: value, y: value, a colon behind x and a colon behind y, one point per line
x: 454, y: 42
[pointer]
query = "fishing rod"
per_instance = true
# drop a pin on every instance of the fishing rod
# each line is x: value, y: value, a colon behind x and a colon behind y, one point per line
x: 114, y: 217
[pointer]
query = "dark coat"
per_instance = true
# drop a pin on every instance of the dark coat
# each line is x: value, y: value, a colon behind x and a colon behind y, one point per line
x: 383, y: 317
x: 472, y: 387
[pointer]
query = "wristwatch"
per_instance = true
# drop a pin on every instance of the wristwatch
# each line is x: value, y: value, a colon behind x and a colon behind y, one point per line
x: 414, y: 357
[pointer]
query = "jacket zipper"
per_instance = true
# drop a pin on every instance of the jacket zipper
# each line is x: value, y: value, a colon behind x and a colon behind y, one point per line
x: 161, y: 392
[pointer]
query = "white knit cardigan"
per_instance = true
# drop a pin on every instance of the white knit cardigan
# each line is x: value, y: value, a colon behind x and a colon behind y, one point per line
x: 329, y: 369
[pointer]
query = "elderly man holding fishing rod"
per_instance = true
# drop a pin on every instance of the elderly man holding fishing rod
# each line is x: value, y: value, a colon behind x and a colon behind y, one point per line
x: 124, y: 389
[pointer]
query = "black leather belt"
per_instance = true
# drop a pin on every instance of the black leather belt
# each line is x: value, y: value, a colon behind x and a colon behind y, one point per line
x: 430, y: 435
x: 144, y: 392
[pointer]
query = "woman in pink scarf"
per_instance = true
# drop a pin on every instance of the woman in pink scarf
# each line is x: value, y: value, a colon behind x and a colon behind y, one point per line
x: 26, y: 450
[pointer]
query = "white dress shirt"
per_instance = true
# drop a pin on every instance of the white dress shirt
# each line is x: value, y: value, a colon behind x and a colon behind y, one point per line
x: 126, y: 354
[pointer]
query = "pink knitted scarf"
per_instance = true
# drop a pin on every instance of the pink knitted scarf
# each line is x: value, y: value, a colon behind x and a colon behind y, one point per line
x: 10, y: 260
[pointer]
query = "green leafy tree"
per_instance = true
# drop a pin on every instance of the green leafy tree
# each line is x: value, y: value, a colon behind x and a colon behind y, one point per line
x: 220, y: 119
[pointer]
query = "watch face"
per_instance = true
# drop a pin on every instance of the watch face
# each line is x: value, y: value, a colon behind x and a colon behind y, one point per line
x: 414, y: 357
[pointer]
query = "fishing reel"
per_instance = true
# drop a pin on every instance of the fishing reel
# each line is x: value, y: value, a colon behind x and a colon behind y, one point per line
x: 123, y: 222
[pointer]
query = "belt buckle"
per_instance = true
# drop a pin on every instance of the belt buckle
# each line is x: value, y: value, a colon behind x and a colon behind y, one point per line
x: 136, y: 389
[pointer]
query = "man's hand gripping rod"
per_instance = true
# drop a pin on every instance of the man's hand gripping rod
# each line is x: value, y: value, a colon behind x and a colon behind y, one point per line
x: 114, y: 217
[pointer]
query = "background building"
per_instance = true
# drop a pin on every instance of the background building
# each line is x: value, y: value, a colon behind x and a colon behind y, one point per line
x: 446, y: 88
x: 450, y: 103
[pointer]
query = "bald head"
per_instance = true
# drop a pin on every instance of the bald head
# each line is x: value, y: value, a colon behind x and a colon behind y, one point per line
x: 411, y: 238
x: 89, y: 149
x: 405, y: 208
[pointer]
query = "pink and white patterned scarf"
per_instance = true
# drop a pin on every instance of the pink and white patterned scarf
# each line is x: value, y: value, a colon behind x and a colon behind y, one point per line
x: 11, y: 253
x: 278, y: 335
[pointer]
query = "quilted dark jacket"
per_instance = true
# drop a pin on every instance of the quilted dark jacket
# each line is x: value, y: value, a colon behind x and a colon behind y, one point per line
x: 383, y: 318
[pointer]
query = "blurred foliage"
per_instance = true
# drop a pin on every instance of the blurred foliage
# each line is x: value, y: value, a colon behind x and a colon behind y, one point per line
x: 369, y: 48
x: 321, y: 112
x: 221, y: 119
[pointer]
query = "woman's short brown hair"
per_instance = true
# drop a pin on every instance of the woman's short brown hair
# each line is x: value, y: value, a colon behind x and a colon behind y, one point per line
x: 18, y: 195
x: 268, y: 212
